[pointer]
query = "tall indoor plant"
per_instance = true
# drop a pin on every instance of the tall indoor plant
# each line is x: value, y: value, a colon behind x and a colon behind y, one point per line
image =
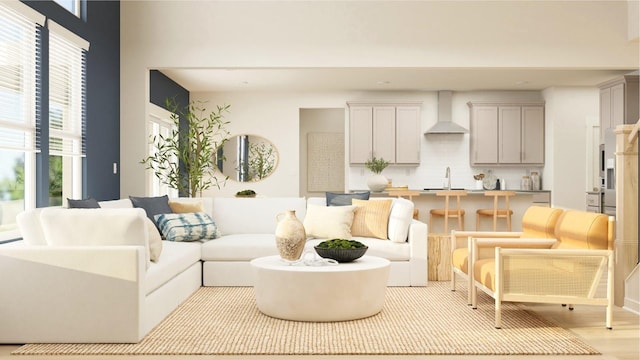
x: 183, y: 159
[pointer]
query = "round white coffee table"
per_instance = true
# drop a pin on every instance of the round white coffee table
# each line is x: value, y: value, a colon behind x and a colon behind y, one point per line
x: 341, y: 292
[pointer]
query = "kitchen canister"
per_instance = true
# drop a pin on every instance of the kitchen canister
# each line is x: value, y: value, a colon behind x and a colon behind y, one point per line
x: 525, y: 183
x: 535, y: 181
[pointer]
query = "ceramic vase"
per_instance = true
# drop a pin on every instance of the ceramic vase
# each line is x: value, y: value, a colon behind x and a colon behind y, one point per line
x: 377, y: 183
x: 290, y: 236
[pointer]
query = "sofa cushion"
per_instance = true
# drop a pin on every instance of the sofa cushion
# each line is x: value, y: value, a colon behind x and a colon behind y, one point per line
x: 152, y: 205
x: 342, y: 199
x: 253, y: 215
x: 31, y: 227
x: 329, y: 221
x: 90, y: 227
x: 179, y: 207
x: 239, y: 247
x: 116, y: 204
x: 89, y: 203
x: 155, y: 241
x: 176, y: 257
x: 540, y: 222
x: 400, y: 220
x: 371, y: 218
x: 187, y: 226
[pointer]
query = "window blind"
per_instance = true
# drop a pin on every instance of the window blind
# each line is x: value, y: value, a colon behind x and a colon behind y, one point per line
x: 67, y: 93
x: 19, y: 74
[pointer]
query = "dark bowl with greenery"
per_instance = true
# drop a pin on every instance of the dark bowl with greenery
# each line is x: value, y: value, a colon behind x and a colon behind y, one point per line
x: 246, y: 193
x: 341, y: 250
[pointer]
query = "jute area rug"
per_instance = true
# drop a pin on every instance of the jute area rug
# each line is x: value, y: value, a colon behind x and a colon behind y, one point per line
x: 430, y: 320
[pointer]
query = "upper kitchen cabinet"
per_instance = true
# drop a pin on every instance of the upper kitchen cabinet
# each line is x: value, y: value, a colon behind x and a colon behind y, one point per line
x: 507, y: 134
x: 390, y: 131
x: 618, y: 103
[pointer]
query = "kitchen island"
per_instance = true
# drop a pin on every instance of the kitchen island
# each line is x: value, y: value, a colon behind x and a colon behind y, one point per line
x: 439, y: 244
x: 474, y: 200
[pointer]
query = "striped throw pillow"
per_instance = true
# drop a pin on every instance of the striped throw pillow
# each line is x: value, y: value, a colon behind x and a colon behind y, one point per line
x: 187, y: 226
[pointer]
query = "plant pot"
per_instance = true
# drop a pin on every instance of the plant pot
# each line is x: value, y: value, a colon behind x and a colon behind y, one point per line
x: 377, y: 183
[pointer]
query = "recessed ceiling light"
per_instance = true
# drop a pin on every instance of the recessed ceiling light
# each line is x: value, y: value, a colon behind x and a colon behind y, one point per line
x: 522, y: 82
x: 244, y: 82
x: 383, y: 82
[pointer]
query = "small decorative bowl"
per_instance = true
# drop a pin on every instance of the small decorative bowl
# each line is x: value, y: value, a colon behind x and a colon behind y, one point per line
x: 341, y: 255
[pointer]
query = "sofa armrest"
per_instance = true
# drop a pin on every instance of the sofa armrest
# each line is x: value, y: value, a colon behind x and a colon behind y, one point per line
x: 60, y: 294
x: 417, y: 239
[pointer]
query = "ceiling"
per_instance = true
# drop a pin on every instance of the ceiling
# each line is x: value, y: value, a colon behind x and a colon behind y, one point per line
x: 384, y: 79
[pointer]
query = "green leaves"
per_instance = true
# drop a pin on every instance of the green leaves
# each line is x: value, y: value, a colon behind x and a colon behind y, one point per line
x: 184, y: 159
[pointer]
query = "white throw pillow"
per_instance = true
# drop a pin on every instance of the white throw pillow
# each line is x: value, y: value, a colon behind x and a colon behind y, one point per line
x: 31, y: 227
x: 329, y: 222
x: 95, y: 227
x: 400, y: 219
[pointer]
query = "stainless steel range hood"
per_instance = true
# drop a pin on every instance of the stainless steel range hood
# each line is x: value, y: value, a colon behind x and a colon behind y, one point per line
x: 445, y: 125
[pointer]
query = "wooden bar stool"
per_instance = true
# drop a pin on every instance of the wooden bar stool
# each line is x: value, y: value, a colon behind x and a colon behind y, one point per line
x: 409, y: 194
x: 448, y: 211
x: 496, y: 212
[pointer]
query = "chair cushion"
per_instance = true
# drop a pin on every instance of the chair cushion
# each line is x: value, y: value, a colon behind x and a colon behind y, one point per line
x: 484, y: 271
x: 460, y: 259
x: 540, y: 222
x: 582, y: 230
x: 440, y: 212
x: 489, y: 212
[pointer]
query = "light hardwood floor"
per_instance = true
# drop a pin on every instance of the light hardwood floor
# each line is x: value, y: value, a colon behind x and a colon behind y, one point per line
x: 623, y: 342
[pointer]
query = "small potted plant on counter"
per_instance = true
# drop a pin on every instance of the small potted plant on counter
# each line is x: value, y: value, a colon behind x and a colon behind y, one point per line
x: 377, y: 182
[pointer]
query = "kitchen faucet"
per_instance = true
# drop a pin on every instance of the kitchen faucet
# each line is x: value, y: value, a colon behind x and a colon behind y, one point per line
x: 447, y: 175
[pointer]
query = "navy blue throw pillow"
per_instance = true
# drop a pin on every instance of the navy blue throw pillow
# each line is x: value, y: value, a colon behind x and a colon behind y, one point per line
x: 341, y: 199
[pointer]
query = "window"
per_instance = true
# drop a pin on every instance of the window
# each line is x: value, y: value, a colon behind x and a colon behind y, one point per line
x: 66, y: 113
x: 19, y: 72
x: 159, y: 123
x: 73, y: 6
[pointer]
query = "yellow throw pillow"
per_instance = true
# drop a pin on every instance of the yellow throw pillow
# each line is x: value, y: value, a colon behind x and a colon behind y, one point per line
x: 371, y: 218
x: 179, y: 207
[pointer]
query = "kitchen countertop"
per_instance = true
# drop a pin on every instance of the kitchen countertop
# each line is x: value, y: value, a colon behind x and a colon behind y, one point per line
x: 469, y: 191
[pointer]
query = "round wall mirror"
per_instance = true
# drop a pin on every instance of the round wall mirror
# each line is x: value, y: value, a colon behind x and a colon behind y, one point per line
x: 247, y: 158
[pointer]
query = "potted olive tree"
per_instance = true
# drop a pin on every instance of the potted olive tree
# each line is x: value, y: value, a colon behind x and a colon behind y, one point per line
x: 184, y: 159
x: 377, y: 182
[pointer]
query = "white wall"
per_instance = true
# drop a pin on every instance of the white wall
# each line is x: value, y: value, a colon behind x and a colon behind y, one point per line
x: 569, y: 116
x: 164, y: 34
x: 276, y: 117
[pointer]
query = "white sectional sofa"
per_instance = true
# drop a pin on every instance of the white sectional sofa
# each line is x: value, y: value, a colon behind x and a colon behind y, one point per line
x: 98, y: 285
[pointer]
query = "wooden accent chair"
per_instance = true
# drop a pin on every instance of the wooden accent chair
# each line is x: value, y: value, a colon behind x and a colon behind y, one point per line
x: 538, y: 222
x: 496, y: 212
x: 448, y: 211
x: 569, y: 271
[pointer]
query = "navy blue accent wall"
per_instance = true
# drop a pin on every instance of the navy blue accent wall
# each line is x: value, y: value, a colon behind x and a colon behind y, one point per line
x: 162, y: 87
x: 101, y: 27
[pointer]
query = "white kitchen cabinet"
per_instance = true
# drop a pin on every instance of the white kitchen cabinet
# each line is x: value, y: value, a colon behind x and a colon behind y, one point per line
x: 507, y: 134
x: 618, y: 103
x: 389, y: 131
